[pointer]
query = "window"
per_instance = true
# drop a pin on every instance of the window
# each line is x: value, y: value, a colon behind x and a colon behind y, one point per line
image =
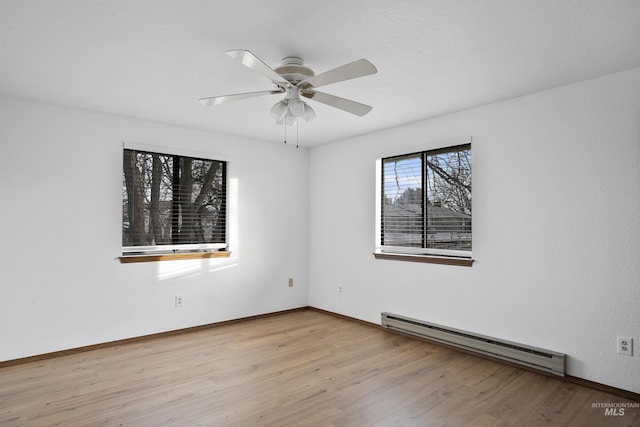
x: 425, y: 206
x: 172, y: 204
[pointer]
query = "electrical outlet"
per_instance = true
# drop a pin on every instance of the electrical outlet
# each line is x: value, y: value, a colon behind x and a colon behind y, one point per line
x: 291, y: 282
x: 179, y: 301
x: 625, y: 346
x: 340, y: 290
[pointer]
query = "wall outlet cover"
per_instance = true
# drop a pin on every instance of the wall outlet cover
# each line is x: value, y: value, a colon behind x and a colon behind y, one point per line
x: 625, y: 346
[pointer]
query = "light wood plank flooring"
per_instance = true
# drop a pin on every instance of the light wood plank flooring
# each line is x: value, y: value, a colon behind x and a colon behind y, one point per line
x: 303, y: 368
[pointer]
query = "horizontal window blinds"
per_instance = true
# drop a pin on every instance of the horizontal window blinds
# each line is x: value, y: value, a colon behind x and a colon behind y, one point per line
x: 172, y: 200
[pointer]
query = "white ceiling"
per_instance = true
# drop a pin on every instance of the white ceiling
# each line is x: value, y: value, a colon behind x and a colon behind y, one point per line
x: 153, y: 59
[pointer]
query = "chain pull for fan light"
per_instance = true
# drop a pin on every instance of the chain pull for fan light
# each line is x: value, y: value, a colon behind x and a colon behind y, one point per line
x: 285, y: 133
x: 297, y: 133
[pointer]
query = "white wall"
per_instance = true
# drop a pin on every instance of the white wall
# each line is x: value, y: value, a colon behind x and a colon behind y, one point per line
x: 556, y: 235
x: 556, y: 229
x: 60, y: 233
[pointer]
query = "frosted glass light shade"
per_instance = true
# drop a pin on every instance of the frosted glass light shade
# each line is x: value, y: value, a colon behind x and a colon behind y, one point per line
x: 296, y: 107
x: 279, y: 110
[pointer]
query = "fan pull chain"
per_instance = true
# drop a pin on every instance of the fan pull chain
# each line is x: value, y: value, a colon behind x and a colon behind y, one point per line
x: 297, y: 133
x: 285, y: 129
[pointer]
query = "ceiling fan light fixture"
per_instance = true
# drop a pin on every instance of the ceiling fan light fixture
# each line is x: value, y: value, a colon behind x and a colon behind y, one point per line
x: 280, y: 109
x: 296, y: 107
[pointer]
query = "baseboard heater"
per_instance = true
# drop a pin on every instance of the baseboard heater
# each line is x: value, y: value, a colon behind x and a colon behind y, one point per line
x: 532, y: 357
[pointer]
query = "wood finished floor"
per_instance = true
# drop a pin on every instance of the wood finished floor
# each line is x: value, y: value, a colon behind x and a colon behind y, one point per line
x: 303, y: 368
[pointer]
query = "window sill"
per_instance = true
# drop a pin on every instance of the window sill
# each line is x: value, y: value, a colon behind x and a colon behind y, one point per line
x: 461, y: 262
x: 173, y: 257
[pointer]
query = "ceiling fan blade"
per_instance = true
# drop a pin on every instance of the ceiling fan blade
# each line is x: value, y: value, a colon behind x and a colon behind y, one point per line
x: 216, y: 100
x: 352, y: 70
x: 337, y: 102
x: 248, y: 59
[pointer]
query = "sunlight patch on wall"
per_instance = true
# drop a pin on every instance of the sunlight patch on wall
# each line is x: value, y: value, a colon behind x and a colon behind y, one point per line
x: 174, y: 269
x: 232, y: 219
x: 168, y: 270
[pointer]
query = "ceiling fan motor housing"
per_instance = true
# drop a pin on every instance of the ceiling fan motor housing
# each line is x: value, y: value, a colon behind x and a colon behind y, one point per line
x: 293, y: 70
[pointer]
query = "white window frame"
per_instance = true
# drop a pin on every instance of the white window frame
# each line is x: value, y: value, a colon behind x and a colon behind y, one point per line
x: 403, y: 250
x: 181, y: 248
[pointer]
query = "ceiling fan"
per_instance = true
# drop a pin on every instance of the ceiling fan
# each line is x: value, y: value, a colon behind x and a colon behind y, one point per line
x: 295, y: 80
